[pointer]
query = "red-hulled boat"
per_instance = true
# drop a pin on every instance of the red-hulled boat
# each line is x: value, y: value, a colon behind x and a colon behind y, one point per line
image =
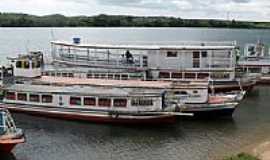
x: 10, y: 135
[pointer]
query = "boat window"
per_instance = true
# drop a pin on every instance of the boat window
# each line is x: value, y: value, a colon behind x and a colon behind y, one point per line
x: 190, y: 75
x: 22, y: 96
x: 75, y: 101
x: 171, y: 54
x: 204, y: 54
x: 11, y: 95
x: 103, y: 76
x: 196, y: 59
x: 65, y: 74
x: 89, y: 75
x: 220, y: 75
x: 38, y: 64
x: 70, y: 75
x: 26, y: 65
x: 110, y: 76
x: 181, y: 93
x: 141, y: 102
x: 120, y: 103
x: 195, y: 92
x: 33, y: 64
x: 124, y: 77
x: 34, y: 98
x: 196, y: 54
x: 104, y: 102
x: 203, y: 75
x: 19, y: 64
x: 164, y: 75
x: 177, y: 75
x: 117, y: 76
x: 47, y: 98
x: 89, y: 101
x: 145, y: 61
x: 96, y: 75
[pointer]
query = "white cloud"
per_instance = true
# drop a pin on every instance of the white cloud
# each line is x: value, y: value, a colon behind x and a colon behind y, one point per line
x: 257, y: 10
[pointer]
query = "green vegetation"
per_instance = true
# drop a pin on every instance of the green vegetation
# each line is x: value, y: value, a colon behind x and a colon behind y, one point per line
x: 57, y: 20
x: 242, y: 156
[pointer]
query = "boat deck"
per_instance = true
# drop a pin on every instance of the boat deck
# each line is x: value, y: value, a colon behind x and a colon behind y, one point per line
x: 118, y: 83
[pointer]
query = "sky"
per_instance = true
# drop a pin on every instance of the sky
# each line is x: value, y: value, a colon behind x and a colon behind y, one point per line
x: 253, y: 10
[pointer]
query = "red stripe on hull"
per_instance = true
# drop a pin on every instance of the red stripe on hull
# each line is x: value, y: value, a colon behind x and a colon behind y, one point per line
x: 6, y: 148
x: 155, y: 120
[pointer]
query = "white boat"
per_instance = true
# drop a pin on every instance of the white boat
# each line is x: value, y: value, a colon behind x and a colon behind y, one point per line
x: 195, y: 93
x: 132, y: 102
x: 186, y: 61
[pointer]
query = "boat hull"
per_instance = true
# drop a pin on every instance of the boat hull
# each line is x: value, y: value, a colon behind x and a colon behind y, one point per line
x: 212, y: 110
x: 264, y: 80
x: 6, y: 146
x: 95, y: 117
x: 228, y: 86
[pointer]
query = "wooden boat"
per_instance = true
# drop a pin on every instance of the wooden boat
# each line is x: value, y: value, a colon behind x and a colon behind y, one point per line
x: 186, y: 61
x: 10, y: 135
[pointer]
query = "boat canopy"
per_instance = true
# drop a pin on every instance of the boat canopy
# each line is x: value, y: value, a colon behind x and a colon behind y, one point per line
x: 180, y: 46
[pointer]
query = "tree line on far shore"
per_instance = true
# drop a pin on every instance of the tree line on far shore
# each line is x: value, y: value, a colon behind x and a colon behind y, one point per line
x: 57, y: 20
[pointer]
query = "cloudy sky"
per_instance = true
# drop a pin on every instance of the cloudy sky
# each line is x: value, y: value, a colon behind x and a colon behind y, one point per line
x: 255, y: 10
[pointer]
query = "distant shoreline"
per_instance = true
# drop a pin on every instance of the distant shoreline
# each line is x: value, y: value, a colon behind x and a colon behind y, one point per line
x: 57, y: 20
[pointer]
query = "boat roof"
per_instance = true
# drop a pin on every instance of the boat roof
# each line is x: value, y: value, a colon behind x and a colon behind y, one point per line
x: 83, y: 90
x: 180, y: 46
x: 119, y: 83
x: 30, y: 55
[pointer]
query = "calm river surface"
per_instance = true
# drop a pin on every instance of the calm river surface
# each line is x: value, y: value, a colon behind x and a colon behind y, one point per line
x: 51, y: 139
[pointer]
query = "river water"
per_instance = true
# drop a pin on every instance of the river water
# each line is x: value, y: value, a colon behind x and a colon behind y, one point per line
x: 51, y: 139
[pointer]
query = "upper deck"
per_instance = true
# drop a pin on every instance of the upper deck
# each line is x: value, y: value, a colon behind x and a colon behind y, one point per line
x: 152, y: 46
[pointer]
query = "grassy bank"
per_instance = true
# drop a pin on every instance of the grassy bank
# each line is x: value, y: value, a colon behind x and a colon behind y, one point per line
x: 57, y: 20
x: 242, y: 156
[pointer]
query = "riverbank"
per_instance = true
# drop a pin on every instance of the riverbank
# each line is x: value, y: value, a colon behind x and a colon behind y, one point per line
x: 242, y: 156
x: 257, y: 151
x: 262, y: 150
x: 102, y: 20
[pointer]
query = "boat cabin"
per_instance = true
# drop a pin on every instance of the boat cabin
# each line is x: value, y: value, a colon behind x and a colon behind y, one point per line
x: 28, y: 65
x: 85, y: 97
x: 183, y: 61
x: 187, y: 92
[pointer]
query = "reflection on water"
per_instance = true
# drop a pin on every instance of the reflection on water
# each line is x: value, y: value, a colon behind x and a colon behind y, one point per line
x: 52, y: 139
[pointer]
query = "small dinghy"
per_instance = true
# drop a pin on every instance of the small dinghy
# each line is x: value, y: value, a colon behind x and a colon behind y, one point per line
x: 10, y: 135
